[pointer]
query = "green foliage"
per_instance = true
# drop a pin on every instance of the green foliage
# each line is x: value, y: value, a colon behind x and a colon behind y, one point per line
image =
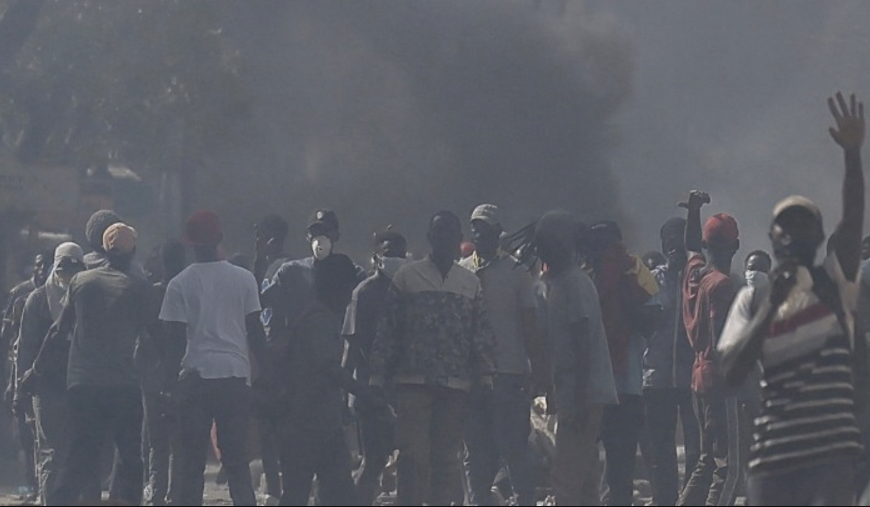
x: 148, y: 83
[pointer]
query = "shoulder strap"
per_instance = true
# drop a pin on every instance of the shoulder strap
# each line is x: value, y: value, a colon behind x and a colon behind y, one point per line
x: 828, y: 293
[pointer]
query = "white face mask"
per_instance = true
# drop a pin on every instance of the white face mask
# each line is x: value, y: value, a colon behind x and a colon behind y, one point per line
x: 321, y: 247
x: 755, y: 278
x: 389, y: 266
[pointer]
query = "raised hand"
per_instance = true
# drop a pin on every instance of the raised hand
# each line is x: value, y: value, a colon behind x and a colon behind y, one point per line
x: 697, y: 200
x: 849, y: 133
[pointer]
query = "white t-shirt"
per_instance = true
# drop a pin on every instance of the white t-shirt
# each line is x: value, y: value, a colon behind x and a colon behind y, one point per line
x: 213, y: 299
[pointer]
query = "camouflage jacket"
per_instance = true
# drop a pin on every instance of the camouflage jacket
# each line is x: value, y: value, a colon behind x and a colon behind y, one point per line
x: 434, y: 330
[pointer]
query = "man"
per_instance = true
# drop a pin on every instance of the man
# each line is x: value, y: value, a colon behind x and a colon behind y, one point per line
x: 360, y: 327
x: 758, y: 265
x: 106, y: 312
x: 667, y: 375
x: 291, y: 290
x: 435, y: 344
x: 499, y: 420
x: 94, y: 229
x: 271, y: 236
x: 624, y: 287
x: 583, y: 382
x: 21, y: 407
x: 212, y: 314
x: 160, y: 423
x: 311, y: 400
x: 50, y: 404
x: 707, y: 296
x: 807, y: 438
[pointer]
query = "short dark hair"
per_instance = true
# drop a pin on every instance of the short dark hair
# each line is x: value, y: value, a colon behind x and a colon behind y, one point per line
x: 275, y: 226
x: 759, y: 253
x: 446, y: 215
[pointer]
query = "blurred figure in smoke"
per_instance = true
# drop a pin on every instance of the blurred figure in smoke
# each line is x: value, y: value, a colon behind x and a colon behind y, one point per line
x: 310, y: 398
x: 270, y: 236
x: 160, y: 423
x: 807, y: 438
x: 212, y: 314
x: 583, y: 382
x: 435, y: 343
x: 758, y: 265
x: 50, y: 402
x: 360, y: 329
x: 707, y: 295
x: 105, y: 313
x: 22, y: 408
x: 667, y: 374
x: 499, y: 422
x: 625, y: 286
x: 653, y: 259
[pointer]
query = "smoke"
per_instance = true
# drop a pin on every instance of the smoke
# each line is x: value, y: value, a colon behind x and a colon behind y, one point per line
x: 730, y: 97
x: 390, y: 111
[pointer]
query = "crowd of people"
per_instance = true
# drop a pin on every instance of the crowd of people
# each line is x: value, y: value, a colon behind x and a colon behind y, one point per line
x: 437, y: 362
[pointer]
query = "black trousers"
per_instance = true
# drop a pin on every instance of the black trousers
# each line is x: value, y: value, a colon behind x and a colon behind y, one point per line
x: 306, y: 452
x: 227, y: 403
x: 664, y: 407
x: 620, y: 433
x: 95, y: 414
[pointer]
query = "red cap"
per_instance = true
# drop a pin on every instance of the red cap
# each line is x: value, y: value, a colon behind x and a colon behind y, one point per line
x: 721, y: 230
x: 467, y: 249
x: 204, y: 229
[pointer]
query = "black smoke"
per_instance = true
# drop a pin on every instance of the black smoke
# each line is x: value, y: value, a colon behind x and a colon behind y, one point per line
x: 389, y: 111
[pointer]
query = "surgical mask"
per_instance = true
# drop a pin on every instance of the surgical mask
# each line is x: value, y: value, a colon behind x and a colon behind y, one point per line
x: 321, y: 247
x: 389, y: 266
x: 756, y: 278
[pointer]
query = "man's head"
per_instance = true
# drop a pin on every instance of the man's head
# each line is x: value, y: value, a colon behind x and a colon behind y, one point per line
x: 602, y: 236
x: 797, y: 230
x: 323, y: 233
x: 555, y: 239
x: 486, y: 229
x: 204, y: 230
x: 759, y: 261
x: 673, y: 236
x: 334, y: 281
x: 41, y: 267
x: 390, y: 244
x: 68, y: 261
x: 390, y: 252
x: 865, y: 249
x: 173, y: 258
x: 97, y: 225
x: 445, y: 236
x: 272, y: 231
x: 119, y: 243
x: 721, y: 240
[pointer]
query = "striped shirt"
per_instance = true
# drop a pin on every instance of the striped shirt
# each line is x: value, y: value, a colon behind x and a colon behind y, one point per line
x: 807, y: 415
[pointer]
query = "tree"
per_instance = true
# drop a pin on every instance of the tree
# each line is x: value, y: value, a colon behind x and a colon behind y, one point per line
x: 148, y: 83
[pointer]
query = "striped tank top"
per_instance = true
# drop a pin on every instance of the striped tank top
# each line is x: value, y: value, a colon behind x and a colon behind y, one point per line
x: 807, y: 414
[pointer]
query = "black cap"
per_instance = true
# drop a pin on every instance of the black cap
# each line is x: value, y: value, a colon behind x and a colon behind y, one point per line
x: 324, y: 218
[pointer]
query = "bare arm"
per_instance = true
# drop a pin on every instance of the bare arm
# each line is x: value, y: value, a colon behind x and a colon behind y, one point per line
x: 739, y: 356
x: 694, y: 236
x: 849, y: 134
x: 257, y: 340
